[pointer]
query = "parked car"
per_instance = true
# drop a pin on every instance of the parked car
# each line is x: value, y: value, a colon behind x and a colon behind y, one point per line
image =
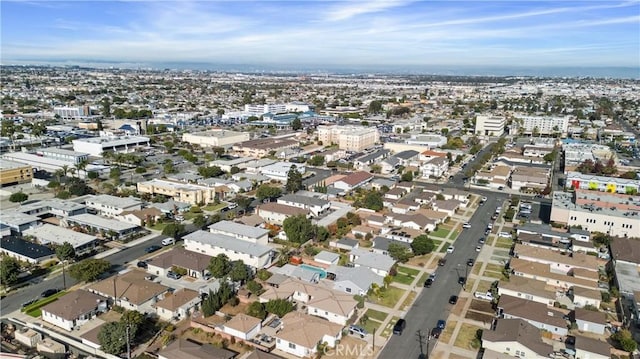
x: 451, y: 249
x: 483, y: 295
x: 478, y: 249
x: 142, y: 264
x: 504, y: 234
x: 152, y: 248
x: 173, y: 275
x: 453, y: 299
x: 29, y: 302
x: 442, y: 262
x: 481, y: 240
x: 398, y: 328
x: 470, y: 262
x: 435, y: 333
x: 466, y: 225
x: 357, y: 330
x: 49, y: 292
x: 441, y: 324
x: 428, y: 282
x: 462, y: 280
x: 168, y: 241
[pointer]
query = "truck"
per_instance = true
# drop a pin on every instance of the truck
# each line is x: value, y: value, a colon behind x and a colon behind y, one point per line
x: 483, y: 295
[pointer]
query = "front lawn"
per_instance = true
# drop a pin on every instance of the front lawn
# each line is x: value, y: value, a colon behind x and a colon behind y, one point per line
x: 214, y: 207
x: 34, y: 308
x: 405, y: 275
x: 407, y: 270
x: 371, y: 325
x: 376, y: 315
x: 503, y: 243
x: 388, y: 297
x: 441, y: 232
x: 466, y: 338
x: 408, y: 300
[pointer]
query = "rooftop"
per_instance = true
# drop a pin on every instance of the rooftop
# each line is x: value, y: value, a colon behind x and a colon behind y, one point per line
x: 25, y: 248
x: 7, y: 165
x: 238, y: 229
x: 48, y: 233
x: 176, y: 300
x: 101, y: 222
x: 518, y: 330
x: 230, y: 243
x: 74, y: 304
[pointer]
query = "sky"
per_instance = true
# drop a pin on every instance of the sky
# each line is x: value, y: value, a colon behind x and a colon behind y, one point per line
x: 316, y: 32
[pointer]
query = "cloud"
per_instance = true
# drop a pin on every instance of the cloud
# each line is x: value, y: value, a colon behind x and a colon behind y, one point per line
x: 355, y: 8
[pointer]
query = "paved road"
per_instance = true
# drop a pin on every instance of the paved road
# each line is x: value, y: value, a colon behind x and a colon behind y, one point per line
x: 118, y: 260
x: 432, y: 303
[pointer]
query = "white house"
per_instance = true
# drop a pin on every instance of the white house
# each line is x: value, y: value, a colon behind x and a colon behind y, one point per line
x: 436, y: 167
x: 212, y: 244
x: 516, y: 338
x: 280, y: 170
x: 301, y: 334
x: 589, y: 348
x: 584, y: 296
x: 353, y: 280
x: 73, y: 309
x: 380, y: 264
x: 111, y: 206
x: 178, y: 305
x: 275, y: 213
x: 241, y: 231
x: 353, y: 181
x: 315, y: 205
x: 242, y: 326
x: 590, y: 321
x: 529, y: 289
x: 537, y: 314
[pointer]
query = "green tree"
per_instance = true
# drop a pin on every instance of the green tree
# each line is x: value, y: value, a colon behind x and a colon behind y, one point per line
x: 65, y: 252
x: 625, y: 339
x: 399, y: 252
x: 316, y: 160
x: 422, y: 244
x: 111, y: 337
x: 209, y: 172
x: 174, y: 230
x: 219, y: 266
x: 279, y: 307
x: 322, y: 233
x: 9, y: 270
x: 373, y: 200
x: 294, y: 180
x: 18, y: 197
x: 267, y: 191
x: 254, y: 287
x: 243, y: 202
x: 375, y: 107
x: 89, y: 270
x: 298, y: 228
x: 199, y: 221
x: 239, y: 272
x: 407, y: 177
x: 296, y: 124
x: 256, y: 309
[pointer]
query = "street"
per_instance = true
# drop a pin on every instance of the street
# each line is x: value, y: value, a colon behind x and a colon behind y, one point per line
x: 118, y: 260
x: 432, y: 303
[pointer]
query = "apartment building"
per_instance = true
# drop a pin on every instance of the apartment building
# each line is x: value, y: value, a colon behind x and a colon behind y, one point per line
x: 212, y: 244
x: 111, y: 206
x: 543, y: 125
x: 14, y: 173
x: 490, y: 125
x: 349, y: 138
x: 577, y: 180
x: 607, y: 213
x: 181, y: 192
x: 215, y: 138
x: 240, y: 231
x: 72, y: 113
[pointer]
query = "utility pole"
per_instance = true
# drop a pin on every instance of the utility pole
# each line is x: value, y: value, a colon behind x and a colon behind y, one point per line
x: 421, y: 340
x: 128, y: 342
x: 64, y: 276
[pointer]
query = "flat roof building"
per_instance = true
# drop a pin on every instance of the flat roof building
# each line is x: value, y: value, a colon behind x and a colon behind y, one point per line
x: 490, y: 125
x: 96, y: 146
x: 215, y: 138
x: 50, y: 234
x: 14, y: 173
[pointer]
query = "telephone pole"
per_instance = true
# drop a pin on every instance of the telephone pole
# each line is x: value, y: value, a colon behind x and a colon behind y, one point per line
x: 421, y: 340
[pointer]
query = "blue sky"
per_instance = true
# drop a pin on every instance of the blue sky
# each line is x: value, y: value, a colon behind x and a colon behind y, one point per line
x: 315, y: 32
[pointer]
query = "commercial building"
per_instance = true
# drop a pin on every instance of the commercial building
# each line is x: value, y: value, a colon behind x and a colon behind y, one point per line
x: 96, y: 146
x: 14, y: 173
x: 490, y: 125
x: 50, y: 234
x: 576, y: 153
x: 181, y: 192
x: 543, y: 125
x: 215, y: 138
x: 577, y: 180
x: 50, y: 164
x: 264, y: 146
x: 535, y: 178
x: 63, y: 154
x: 72, y: 113
x: 349, y: 138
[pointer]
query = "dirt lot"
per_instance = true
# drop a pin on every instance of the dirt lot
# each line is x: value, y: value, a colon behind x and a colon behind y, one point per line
x: 457, y: 309
x: 481, y: 306
x: 480, y: 317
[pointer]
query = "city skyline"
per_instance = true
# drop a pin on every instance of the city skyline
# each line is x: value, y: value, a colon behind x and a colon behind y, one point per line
x: 321, y: 33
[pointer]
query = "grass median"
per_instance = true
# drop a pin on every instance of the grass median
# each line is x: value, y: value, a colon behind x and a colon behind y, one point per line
x: 33, y: 309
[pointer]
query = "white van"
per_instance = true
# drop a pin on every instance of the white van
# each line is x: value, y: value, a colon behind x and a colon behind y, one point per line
x: 168, y: 241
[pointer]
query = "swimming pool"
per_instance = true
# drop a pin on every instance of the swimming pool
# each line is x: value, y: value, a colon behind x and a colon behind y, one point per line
x: 319, y: 270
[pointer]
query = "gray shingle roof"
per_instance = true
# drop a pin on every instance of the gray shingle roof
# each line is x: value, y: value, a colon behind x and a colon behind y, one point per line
x: 234, y: 244
x: 238, y: 228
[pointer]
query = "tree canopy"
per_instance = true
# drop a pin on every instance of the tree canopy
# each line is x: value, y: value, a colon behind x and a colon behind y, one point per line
x: 209, y: 172
x: 294, y: 180
x: 279, y: 307
x: 89, y: 270
x: 9, y: 270
x: 65, y: 251
x: 267, y: 191
x: 219, y: 266
x: 298, y: 229
x: 422, y: 244
x: 256, y: 309
x: 399, y: 252
x: 18, y: 197
x: 239, y: 272
x: 174, y: 230
x: 372, y: 200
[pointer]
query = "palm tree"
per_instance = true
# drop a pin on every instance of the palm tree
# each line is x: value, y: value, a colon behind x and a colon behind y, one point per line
x: 59, y: 173
x: 80, y: 166
x: 65, y: 170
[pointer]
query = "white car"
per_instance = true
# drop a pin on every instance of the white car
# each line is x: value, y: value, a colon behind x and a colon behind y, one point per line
x: 504, y: 234
x: 478, y: 248
x: 466, y: 225
x: 490, y: 226
x: 451, y: 249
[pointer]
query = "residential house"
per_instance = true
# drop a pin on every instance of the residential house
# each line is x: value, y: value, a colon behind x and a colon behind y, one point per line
x: 364, y: 163
x: 407, y: 157
x: 334, y: 306
x: 187, y: 349
x: 448, y: 207
x: 279, y: 171
x: 327, y: 258
x: 53, y: 208
x: 529, y: 289
x: 177, y: 305
x: 381, y: 245
x: 302, y: 274
x: 18, y: 222
x: 517, y: 338
x: 315, y: 205
x: 141, y: 217
x: 48, y: 234
x: 542, y: 272
x: 301, y: 334
x: 241, y: 231
x: 25, y: 251
x: 557, y: 262
x: 378, y: 263
x: 131, y: 290
x: 435, y: 168
x: 395, y: 193
x: 242, y: 326
x: 212, y: 244
x: 353, y: 280
x: 537, y: 314
x: 389, y: 165
x: 589, y: 348
x: 591, y: 321
x: 625, y: 254
x: 194, y: 263
x: 535, y: 178
x: 106, y: 227
x: 346, y: 244
x: 73, y: 309
x: 275, y: 213
x: 111, y: 206
x: 353, y: 181
x: 584, y: 296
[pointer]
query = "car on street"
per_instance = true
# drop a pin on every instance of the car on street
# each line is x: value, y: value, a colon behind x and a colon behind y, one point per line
x: 462, y: 280
x: 435, y: 333
x: 398, y: 328
x: 441, y: 324
x: 152, y: 248
x: 428, y: 282
x: 494, y: 216
x: 173, y: 275
x: 466, y: 225
x: 357, y: 330
x: 490, y: 226
x: 142, y: 264
x: 29, y: 302
x: 442, y: 262
x: 470, y: 262
x: 481, y: 240
x: 453, y: 299
x: 49, y: 292
x: 433, y: 276
x: 168, y: 241
x: 451, y: 249
x: 478, y: 248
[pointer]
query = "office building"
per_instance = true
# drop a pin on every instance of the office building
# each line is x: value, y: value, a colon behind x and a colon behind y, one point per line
x: 490, y: 125
x: 215, y: 138
x: 96, y: 146
x: 349, y: 138
x: 14, y: 173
